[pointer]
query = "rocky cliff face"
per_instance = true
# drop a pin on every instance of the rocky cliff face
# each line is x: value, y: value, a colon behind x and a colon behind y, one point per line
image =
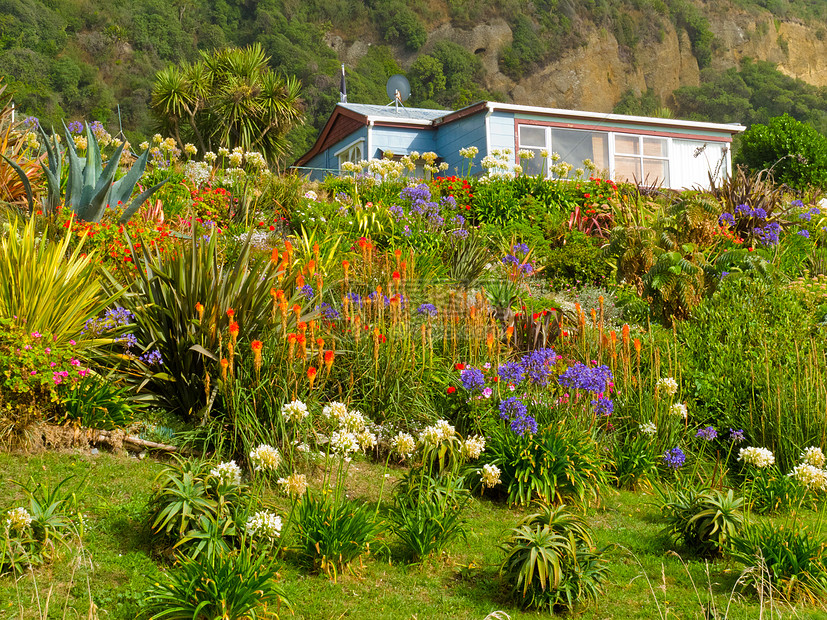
x: 594, y: 76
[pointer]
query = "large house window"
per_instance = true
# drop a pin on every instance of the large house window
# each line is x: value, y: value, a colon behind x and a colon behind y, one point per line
x: 574, y: 146
x: 353, y: 152
x: 641, y: 158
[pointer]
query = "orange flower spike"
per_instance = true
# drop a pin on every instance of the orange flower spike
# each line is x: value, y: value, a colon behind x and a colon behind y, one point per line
x: 199, y: 308
x: 398, y: 254
x: 311, y: 267
x: 299, y: 281
x: 297, y: 309
x: 594, y: 316
x: 489, y: 339
x: 328, y: 360
x: 345, y: 266
x: 396, y: 276
x: 509, y: 332
x: 234, y: 331
x: 302, y: 326
x: 274, y: 256
x: 288, y: 249
x: 625, y: 333
x: 256, y: 345
x: 311, y: 376
x: 613, y: 337
x: 280, y: 294
x: 224, y: 365
x: 273, y: 294
x: 637, y: 345
x: 230, y: 313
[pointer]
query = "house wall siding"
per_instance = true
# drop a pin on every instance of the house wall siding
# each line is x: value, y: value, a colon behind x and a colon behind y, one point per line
x: 452, y: 137
x: 402, y: 140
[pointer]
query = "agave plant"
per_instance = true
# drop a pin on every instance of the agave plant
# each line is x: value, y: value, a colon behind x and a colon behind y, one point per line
x: 91, y: 187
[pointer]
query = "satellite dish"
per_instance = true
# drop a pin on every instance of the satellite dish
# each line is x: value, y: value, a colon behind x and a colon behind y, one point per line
x: 398, y: 88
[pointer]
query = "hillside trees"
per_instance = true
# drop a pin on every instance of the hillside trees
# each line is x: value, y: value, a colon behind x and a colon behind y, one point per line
x: 229, y: 98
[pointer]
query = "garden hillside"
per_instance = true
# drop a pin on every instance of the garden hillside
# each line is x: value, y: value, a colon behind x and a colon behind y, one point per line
x: 737, y: 61
x: 229, y: 393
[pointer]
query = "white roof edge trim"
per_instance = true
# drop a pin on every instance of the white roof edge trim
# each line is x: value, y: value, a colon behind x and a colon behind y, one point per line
x: 402, y: 121
x: 605, y: 116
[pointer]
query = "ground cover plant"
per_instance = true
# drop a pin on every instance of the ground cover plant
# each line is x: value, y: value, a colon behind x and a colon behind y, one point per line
x: 414, y: 383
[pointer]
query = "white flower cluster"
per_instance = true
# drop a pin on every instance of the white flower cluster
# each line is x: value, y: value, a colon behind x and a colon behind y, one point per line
x: 403, y: 444
x: 469, y: 152
x: 679, y: 409
x: 294, y: 485
x: 143, y: 145
x: 432, y: 435
x: 264, y: 525
x: 490, y: 475
x: 813, y: 456
x: 473, y: 447
x: 228, y: 473
x: 18, y: 519
x: 31, y: 141
x: 334, y: 411
x: 343, y: 443
x: 667, y: 386
x: 311, y: 195
x: 758, y: 457
x: 649, y: 429
x: 810, y: 476
x: 190, y: 149
x: 525, y: 154
x: 198, y: 172
x: 352, y: 421
x: 366, y: 439
x: 265, y: 457
x: 210, y: 157
x: 294, y: 411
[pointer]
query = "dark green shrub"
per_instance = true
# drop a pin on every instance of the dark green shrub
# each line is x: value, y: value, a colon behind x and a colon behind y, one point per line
x: 551, y: 561
x: 634, y: 461
x: 795, y: 151
x: 790, y: 559
x: 704, y: 520
x: 577, y: 263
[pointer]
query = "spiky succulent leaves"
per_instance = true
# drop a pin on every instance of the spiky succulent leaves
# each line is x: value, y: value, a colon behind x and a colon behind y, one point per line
x: 27, y: 186
x: 123, y: 187
x: 138, y: 201
x: 53, y: 172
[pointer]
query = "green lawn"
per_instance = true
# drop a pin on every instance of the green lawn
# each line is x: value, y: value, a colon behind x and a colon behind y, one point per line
x: 115, y: 563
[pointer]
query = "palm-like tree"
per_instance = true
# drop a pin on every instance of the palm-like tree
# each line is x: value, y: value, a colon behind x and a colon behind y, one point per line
x: 229, y: 98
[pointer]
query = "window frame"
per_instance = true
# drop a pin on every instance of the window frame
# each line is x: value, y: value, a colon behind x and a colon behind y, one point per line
x: 346, y: 153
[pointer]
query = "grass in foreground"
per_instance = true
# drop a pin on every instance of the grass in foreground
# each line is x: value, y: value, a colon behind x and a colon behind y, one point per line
x: 115, y: 563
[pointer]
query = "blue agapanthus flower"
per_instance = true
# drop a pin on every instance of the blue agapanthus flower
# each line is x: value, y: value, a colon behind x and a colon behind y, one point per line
x: 472, y: 379
x: 512, y: 407
x: 427, y: 309
x: 511, y: 372
x: 674, y: 458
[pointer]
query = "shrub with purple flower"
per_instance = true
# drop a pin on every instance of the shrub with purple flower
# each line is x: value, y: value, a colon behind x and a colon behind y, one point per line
x: 511, y: 373
x: 539, y: 365
x: 579, y: 376
x: 603, y: 406
x: 307, y: 291
x: 328, y: 312
x: 737, y: 436
x: 472, y: 379
x: 709, y: 433
x: 152, y: 358
x: 512, y: 407
x: 427, y: 310
x: 674, y: 458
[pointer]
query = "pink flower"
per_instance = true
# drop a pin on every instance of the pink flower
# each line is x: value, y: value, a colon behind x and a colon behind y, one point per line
x: 75, y: 362
x: 72, y: 342
x: 33, y: 373
x: 53, y: 364
x: 47, y: 350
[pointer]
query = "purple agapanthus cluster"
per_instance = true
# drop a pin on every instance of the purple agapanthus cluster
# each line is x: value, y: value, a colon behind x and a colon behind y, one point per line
x: 521, y: 248
x: 374, y: 296
x: 744, y: 210
x: 416, y: 193
x: 307, y: 291
x: 75, y: 127
x: 354, y: 299
x: 709, y: 433
x: 768, y: 234
x: 539, y: 365
x: 31, y: 122
x: 152, y: 358
x: 328, y: 312
x: 112, y: 318
x: 472, y: 379
x: 808, y: 215
x: 514, y: 410
x: 674, y: 458
x: 737, y: 436
x: 593, y: 378
x: 427, y: 309
x: 449, y: 202
x: 603, y: 406
x: 397, y: 212
x: 511, y: 373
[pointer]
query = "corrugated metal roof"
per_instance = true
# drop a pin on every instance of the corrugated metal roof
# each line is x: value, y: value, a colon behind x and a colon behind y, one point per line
x: 392, y: 113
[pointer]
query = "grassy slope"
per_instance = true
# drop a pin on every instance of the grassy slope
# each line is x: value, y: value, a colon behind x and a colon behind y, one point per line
x: 461, y: 585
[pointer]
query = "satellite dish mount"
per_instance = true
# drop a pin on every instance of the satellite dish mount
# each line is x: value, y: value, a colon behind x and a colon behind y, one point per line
x: 398, y: 90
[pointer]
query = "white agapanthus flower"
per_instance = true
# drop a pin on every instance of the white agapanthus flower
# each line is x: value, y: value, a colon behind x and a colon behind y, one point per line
x: 294, y: 485
x: 294, y: 411
x: 446, y: 430
x: 352, y: 421
x: 311, y: 195
x: 264, y: 525
x: 473, y: 447
x: 265, y: 458
x: 490, y: 475
x: 810, y: 476
x: 649, y: 429
x: 667, y: 386
x: 813, y: 456
x: 679, y: 409
x: 334, y: 411
x: 343, y: 443
x: 228, y: 472
x: 366, y: 439
x: 758, y: 457
x: 403, y: 444
x: 18, y: 519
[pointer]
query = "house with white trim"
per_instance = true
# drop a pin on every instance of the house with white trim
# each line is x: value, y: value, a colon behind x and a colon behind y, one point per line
x: 672, y: 153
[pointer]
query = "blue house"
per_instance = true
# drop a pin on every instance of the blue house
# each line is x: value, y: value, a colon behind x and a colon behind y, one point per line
x: 673, y: 153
